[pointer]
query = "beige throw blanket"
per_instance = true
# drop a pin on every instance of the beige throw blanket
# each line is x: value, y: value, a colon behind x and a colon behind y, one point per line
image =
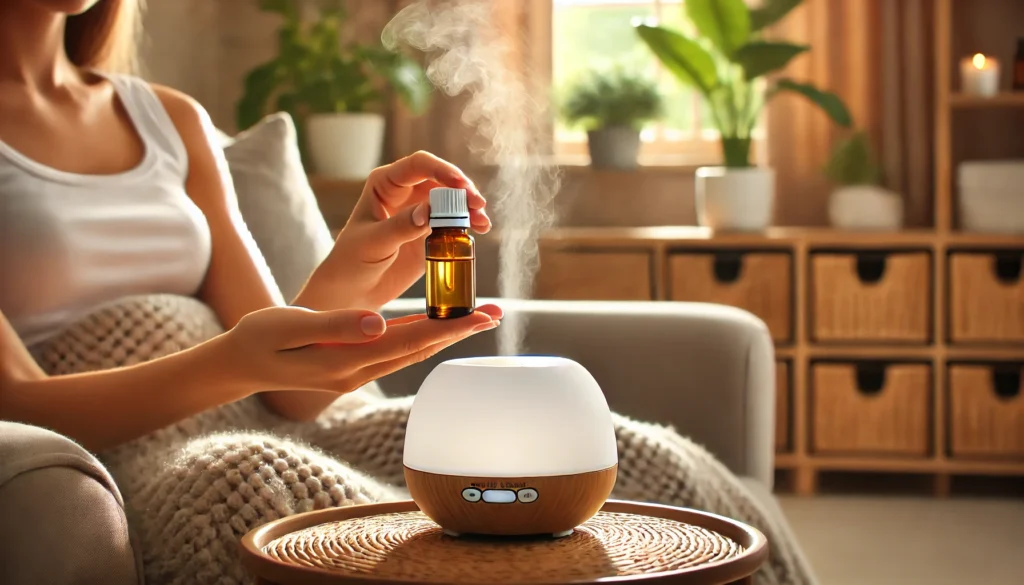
x: 193, y: 489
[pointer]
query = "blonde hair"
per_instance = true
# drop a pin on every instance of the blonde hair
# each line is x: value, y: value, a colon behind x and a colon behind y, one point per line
x: 105, y: 36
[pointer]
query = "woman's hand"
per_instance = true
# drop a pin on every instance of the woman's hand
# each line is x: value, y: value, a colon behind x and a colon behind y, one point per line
x: 292, y: 348
x: 380, y: 251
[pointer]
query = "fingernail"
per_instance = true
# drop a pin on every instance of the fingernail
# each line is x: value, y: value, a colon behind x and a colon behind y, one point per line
x: 420, y: 214
x: 372, y: 325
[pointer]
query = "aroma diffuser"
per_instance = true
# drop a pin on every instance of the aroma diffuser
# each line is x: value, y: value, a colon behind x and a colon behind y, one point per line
x: 510, y: 446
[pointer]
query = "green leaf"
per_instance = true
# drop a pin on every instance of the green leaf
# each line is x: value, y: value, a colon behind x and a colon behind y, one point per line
x: 411, y: 84
x: 853, y: 162
x: 826, y: 100
x: 725, y: 22
x: 770, y: 12
x: 686, y: 59
x: 760, y: 57
x: 258, y: 86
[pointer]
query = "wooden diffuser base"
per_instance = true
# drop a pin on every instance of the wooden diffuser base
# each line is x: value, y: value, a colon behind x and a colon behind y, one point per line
x: 510, y: 505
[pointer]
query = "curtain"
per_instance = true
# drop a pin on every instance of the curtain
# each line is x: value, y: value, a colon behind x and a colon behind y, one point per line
x: 878, y: 56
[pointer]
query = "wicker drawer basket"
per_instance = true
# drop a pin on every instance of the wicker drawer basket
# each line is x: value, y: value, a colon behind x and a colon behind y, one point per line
x: 871, y: 296
x: 871, y: 408
x: 759, y: 282
x: 986, y: 411
x: 992, y: 281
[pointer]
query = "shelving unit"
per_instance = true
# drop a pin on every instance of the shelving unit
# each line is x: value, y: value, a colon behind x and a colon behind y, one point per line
x: 649, y: 256
x: 923, y: 302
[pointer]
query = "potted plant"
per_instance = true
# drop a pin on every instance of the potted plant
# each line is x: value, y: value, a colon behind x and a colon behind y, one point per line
x: 726, y: 62
x: 612, y: 106
x: 334, y: 91
x: 860, y: 202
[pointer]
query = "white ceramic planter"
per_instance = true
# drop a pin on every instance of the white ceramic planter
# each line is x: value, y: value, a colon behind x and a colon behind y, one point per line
x: 991, y: 196
x: 614, y: 148
x: 865, y: 208
x: 346, y: 145
x: 735, y: 199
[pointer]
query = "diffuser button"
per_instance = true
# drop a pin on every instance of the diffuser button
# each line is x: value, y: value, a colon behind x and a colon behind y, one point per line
x: 527, y: 495
x: 471, y: 495
x: 499, y: 496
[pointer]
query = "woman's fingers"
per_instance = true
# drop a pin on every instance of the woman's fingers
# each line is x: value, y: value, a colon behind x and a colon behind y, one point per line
x: 406, y: 319
x: 491, y: 310
x: 410, y: 338
x: 299, y: 327
x: 379, y: 370
x: 380, y: 240
x: 396, y: 183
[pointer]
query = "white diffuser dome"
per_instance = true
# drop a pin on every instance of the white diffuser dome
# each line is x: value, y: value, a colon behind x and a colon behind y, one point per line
x: 510, y: 445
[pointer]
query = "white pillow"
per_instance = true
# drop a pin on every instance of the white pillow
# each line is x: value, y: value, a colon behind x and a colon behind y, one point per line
x: 276, y: 201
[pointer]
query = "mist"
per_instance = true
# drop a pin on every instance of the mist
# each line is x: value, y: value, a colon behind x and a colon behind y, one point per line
x: 465, y: 53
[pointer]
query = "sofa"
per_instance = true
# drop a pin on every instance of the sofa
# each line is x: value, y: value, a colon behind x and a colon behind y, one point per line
x: 707, y: 370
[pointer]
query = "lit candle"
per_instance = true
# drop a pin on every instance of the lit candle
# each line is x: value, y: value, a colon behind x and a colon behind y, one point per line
x: 979, y: 75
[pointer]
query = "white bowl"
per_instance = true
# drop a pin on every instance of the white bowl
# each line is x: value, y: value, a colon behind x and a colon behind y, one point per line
x: 510, y: 445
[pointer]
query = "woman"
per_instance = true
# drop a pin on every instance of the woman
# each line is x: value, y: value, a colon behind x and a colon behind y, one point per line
x: 78, y: 146
x: 111, y: 187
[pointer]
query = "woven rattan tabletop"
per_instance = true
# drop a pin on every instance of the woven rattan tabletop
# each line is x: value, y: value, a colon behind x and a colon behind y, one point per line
x: 396, y: 543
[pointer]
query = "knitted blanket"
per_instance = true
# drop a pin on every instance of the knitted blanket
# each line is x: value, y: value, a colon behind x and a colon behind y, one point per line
x: 194, y: 488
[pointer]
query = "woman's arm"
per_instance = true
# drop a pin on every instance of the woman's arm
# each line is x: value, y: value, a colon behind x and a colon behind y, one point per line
x: 238, y: 281
x: 272, y: 349
x: 106, y: 408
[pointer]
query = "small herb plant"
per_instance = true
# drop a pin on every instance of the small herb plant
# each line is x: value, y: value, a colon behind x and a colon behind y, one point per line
x: 853, y: 162
x: 726, y: 61
x: 315, y: 73
x: 606, y: 99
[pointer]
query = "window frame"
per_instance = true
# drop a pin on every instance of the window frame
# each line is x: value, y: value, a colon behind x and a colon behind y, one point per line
x: 696, y: 148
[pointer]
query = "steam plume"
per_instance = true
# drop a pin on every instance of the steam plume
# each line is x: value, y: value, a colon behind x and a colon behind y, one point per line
x: 465, y: 53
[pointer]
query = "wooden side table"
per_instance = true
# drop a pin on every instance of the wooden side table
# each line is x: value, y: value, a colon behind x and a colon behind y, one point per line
x: 396, y: 543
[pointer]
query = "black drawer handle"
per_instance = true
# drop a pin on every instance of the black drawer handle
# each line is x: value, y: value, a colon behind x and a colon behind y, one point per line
x: 728, y: 267
x: 871, y: 267
x: 871, y: 377
x: 1006, y: 381
x: 1007, y: 267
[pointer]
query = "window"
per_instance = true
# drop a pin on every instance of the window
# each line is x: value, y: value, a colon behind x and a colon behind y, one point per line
x: 596, y: 33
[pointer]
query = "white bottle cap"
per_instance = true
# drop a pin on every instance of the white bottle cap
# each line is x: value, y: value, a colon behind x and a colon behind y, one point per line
x: 448, y: 207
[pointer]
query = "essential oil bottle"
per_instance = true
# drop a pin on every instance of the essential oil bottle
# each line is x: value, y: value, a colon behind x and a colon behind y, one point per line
x: 451, y: 256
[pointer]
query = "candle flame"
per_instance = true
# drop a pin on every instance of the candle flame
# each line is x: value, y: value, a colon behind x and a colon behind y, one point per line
x: 979, y: 61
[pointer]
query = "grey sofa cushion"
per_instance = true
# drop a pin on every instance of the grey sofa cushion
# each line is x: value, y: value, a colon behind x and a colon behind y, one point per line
x: 63, y: 518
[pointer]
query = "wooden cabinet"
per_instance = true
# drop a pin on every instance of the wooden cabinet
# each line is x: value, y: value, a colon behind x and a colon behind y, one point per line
x: 986, y: 297
x: 871, y: 408
x: 759, y: 282
x: 594, y: 275
x: 986, y: 410
x: 783, y: 402
x: 884, y: 342
x: 871, y: 296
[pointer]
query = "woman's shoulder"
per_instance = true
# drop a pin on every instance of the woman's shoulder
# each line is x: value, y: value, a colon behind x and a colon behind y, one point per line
x: 184, y: 110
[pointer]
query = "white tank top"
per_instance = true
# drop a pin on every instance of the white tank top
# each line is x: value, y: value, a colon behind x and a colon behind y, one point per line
x: 70, y: 243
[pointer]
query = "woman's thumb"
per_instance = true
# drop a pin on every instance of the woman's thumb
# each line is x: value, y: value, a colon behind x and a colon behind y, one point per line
x: 298, y: 327
x: 389, y: 235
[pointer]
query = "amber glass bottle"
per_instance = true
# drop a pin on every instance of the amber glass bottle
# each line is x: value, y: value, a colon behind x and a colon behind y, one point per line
x: 451, y: 256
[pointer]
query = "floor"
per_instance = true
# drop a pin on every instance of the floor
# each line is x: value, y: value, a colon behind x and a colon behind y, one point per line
x: 890, y: 540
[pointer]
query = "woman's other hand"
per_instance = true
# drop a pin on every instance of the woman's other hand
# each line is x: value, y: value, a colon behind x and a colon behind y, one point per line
x: 293, y: 348
x: 380, y: 251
